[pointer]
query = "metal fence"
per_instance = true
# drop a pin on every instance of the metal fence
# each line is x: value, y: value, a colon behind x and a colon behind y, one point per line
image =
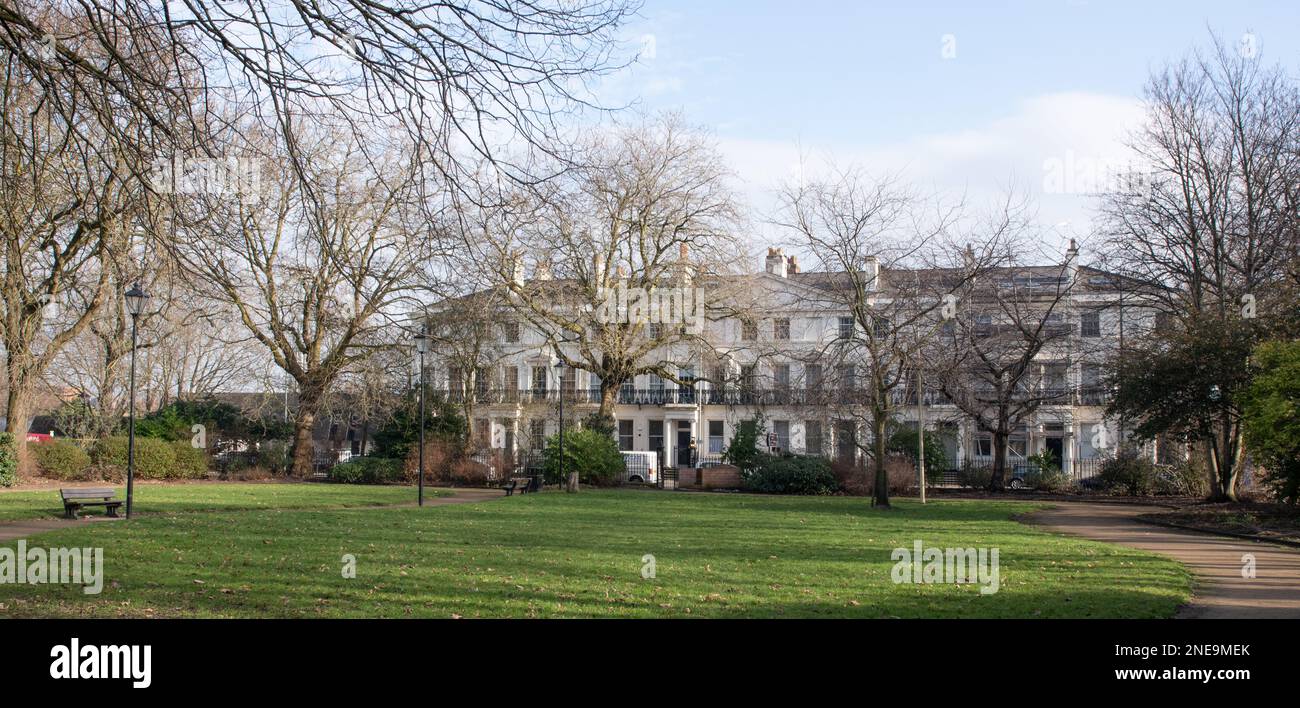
x: 1081, y: 471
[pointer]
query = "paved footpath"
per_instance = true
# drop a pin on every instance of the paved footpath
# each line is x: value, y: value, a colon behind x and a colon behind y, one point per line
x: 1216, y: 561
x: 12, y: 530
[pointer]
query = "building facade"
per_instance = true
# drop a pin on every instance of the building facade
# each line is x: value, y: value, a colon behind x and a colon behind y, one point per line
x: 767, y: 364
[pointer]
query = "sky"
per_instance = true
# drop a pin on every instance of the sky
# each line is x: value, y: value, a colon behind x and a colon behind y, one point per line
x: 966, y: 99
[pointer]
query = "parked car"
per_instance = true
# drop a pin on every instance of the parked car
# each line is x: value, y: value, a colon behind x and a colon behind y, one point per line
x: 642, y: 466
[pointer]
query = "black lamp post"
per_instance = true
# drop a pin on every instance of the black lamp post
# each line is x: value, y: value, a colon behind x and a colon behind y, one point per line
x: 421, y: 346
x: 559, y: 385
x: 136, y: 299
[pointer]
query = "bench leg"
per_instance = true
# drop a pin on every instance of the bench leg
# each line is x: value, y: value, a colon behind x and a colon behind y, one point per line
x: 69, y: 511
x: 112, y: 510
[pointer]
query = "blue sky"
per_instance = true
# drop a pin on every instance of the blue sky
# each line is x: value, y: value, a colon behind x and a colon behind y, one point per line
x: 868, y: 83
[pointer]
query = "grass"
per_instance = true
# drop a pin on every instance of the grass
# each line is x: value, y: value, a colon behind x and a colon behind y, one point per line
x: 174, y: 498
x: 558, y: 555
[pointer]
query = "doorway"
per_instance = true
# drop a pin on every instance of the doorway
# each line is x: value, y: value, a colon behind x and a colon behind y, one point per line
x: 1056, y: 448
x: 684, y: 443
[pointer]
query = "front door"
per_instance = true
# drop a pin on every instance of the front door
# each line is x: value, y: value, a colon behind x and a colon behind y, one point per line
x: 1056, y: 448
x: 684, y: 444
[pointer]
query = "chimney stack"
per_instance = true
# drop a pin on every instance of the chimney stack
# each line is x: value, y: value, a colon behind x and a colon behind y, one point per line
x: 775, y: 263
x: 792, y: 264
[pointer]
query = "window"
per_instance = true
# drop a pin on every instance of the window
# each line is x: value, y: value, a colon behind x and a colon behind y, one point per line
x: 1090, y: 324
x: 625, y: 435
x: 715, y: 436
x: 812, y: 437
x: 813, y: 376
x: 781, y: 376
x: 656, y: 437
x: 848, y: 377
x: 656, y: 330
x: 782, y: 430
x: 748, y: 330
x: 845, y: 441
x: 536, y: 434
x: 482, y: 431
x: 455, y: 383
x: 510, y: 331
x: 747, y: 377
x: 983, y: 446
x: 482, y: 383
x: 539, y: 380
x: 880, y: 327
x: 781, y: 328
x: 510, y: 382
x: 846, y: 328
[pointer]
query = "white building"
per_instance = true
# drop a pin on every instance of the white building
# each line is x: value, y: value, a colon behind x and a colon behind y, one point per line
x: 769, y: 365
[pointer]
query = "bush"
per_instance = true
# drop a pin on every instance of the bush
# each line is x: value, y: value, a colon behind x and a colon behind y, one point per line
x: 1184, y: 479
x: 1128, y: 472
x: 154, y: 458
x: 1047, y: 478
x: 191, y: 462
x: 743, y: 451
x: 61, y: 459
x: 367, y: 470
x: 789, y: 474
x: 904, y: 441
x: 592, y: 453
x: 853, y: 480
x: 976, y: 476
x: 8, y: 460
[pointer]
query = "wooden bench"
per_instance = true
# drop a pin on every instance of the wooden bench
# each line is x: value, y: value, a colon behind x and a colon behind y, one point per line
x: 517, y: 483
x: 75, y: 499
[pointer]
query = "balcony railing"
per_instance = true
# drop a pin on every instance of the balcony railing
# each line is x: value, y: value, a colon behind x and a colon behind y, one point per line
x: 1081, y: 396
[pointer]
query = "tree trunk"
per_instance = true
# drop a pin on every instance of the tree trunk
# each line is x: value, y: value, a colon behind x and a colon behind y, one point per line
x: 998, y: 481
x: 572, y: 486
x: 16, y: 407
x: 880, y: 495
x: 304, y: 446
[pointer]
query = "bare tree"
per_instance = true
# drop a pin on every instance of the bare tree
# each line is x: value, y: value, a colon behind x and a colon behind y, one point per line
x: 650, y: 214
x: 1214, y: 224
x: 319, y: 261
x: 877, y: 245
x: 1010, y: 347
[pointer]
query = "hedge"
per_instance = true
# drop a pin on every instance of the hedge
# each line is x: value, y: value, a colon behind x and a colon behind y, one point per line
x: 61, y: 459
x: 8, y: 460
x: 367, y: 470
x: 154, y: 459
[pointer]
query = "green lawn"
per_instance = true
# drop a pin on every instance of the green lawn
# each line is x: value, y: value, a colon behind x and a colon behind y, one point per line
x: 154, y: 498
x: 558, y: 555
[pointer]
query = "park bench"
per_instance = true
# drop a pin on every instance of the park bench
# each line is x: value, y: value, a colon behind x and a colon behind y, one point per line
x: 517, y: 483
x: 75, y: 499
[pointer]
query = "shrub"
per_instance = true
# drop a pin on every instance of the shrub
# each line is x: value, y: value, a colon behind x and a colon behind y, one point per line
x: 61, y: 459
x: 743, y: 451
x: 592, y: 453
x: 191, y: 462
x: 790, y: 474
x: 851, y: 479
x: 367, y: 470
x: 154, y: 458
x: 1047, y: 478
x: 1128, y: 472
x: 904, y: 441
x: 8, y: 460
x: 976, y: 476
x: 1185, y: 479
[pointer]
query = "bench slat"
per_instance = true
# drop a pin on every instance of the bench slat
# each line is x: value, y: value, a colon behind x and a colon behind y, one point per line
x: 87, y: 493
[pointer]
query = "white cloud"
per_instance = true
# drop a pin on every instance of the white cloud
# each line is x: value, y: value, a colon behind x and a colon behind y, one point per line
x: 979, y: 161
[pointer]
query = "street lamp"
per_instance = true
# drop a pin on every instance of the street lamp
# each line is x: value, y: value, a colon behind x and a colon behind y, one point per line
x: 559, y: 385
x: 136, y: 299
x: 421, y: 346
